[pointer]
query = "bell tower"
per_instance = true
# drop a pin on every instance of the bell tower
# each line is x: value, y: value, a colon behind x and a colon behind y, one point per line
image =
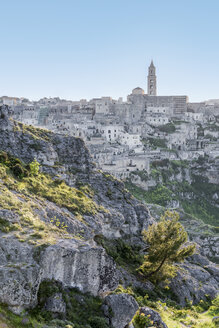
x: 152, y: 80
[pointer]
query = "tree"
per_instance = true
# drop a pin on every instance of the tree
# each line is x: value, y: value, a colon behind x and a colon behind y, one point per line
x: 166, y: 247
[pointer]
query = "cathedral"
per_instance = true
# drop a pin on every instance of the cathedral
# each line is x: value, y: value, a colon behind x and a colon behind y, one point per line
x: 177, y: 103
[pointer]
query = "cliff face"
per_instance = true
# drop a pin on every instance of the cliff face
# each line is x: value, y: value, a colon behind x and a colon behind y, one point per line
x: 49, y: 223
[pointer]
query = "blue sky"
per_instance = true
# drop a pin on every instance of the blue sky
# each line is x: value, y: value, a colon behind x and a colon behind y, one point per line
x: 93, y: 48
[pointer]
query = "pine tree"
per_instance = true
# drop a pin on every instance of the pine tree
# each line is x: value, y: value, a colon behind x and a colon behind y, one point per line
x: 166, y: 247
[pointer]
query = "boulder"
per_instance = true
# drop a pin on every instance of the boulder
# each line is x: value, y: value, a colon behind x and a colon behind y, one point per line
x: 193, y: 282
x: 120, y: 309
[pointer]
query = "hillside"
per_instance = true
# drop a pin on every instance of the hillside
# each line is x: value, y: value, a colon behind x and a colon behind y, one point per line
x: 71, y: 235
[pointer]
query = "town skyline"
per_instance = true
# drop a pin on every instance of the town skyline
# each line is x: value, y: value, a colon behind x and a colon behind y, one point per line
x: 147, y: 90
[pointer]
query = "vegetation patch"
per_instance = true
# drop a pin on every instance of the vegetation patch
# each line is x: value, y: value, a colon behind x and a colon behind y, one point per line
x: 175, y: 316
x: 122, y: 252
x: 159, y: 194
x: 157, y: 143
x: 168, y: 128
x: 81, y: 309
x: 29, y: 180
x: 195, y: 198
x: 6, y: 226
x: 35, y: 133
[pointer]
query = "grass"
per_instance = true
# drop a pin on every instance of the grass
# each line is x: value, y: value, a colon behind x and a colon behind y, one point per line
x: 21, y: 194
x: 35, y: 133
x: 6, y: 226
x: 78, y: 201
x: 58, y: 192
x: 193, y: 316
x: 30, y: 228
x: 84, y: 310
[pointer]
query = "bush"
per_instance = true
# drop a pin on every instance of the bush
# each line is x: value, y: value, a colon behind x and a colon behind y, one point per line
x: 34, y: 167
x: 18, y: 171
x: 140, y: 320
x: 98, y: 322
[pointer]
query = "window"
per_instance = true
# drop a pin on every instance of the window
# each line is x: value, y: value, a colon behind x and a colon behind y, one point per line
x: 109, y: 131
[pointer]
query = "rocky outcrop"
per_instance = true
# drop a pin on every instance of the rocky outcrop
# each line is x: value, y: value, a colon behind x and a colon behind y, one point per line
x: 120, y: 309
x: 20, y: 275
x: 73, y: 263
x: 209, y: 246
x: 197, y: 279
x: 79, y: 265
x: 28, y: 143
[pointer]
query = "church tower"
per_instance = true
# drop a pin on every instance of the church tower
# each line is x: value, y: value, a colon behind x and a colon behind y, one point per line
x: 152, y: 80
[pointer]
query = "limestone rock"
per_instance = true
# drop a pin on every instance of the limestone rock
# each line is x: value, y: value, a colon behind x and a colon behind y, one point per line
x: 120, y: 309
x: 19, y: 275
x: 80, y: 265
x: 193, y: 282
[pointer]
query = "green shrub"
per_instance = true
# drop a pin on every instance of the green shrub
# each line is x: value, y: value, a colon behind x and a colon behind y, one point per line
x: 140, y: 320
x: 98, y: 322
x: 123, y: 253
x: 18, y: 171
x: 34, y: 167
